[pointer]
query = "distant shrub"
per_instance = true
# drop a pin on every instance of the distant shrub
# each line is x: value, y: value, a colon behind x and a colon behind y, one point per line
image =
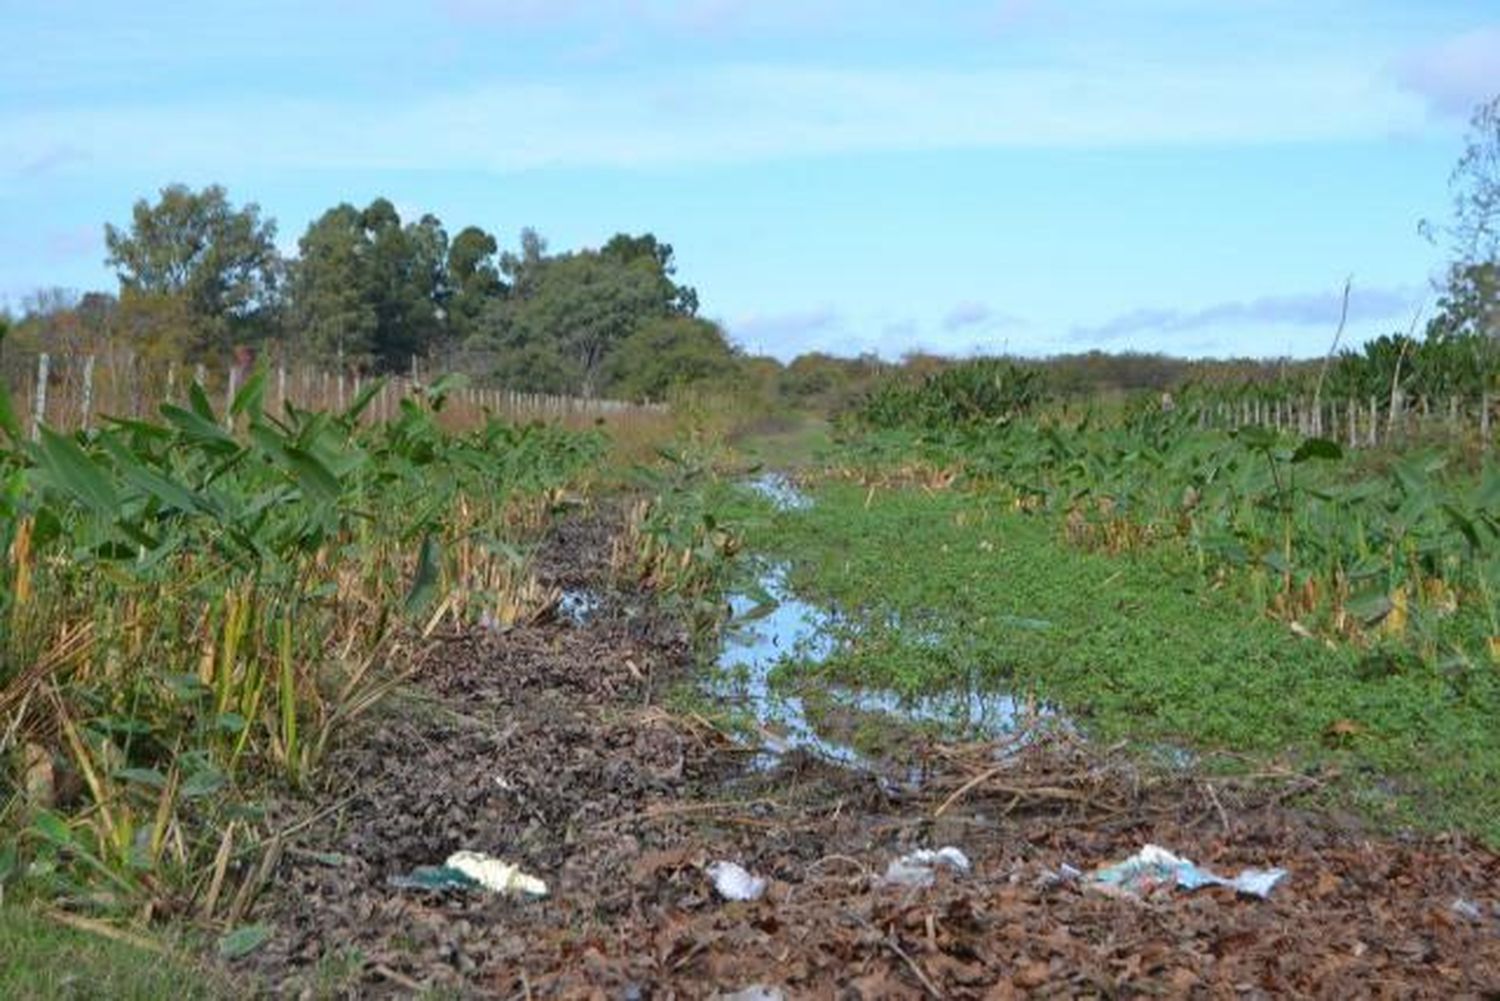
x: 978, y: 393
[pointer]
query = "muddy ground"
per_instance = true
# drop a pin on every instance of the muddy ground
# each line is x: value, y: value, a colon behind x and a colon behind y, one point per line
x: 549, y: 746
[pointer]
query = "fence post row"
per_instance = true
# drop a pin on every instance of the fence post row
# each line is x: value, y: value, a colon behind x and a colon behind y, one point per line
x: 68, y: 392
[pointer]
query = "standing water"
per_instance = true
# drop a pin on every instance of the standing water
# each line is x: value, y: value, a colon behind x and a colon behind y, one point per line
x: 776, y: 628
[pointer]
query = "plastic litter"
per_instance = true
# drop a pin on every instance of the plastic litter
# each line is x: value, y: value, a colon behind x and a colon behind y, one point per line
x: 1467, y: 909
x: 1065, y: 874
x: 920, y: 867
x: 1154, y: 867
x: 755, y: 992
x: 735, y: 882
x: 495, y: 875
x: 471, y: 871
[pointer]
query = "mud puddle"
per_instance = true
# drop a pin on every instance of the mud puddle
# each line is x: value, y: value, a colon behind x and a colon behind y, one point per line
x: 778, y: 488
x: 772, y: 627
x: 775, y: 628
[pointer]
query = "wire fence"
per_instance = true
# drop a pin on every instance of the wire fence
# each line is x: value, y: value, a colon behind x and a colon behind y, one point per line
x: 72, y: 392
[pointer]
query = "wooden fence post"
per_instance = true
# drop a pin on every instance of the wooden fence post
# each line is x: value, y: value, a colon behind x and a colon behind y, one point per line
x: 39, y: 399
x: 231, y: 387
x: 88, y: 391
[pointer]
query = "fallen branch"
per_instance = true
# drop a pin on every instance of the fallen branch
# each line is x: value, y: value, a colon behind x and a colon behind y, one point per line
x: 916, y: 970
x: 1034, y: 792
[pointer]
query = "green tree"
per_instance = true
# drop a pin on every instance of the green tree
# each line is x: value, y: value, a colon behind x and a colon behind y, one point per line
x: 473, y: 281
x: 670, y: 351
x: 218, y: 261
x: 578, y: 307
x: 407, y: 284
x: 332, y: 299
x: 196, y: 247
x: 369, y: 290
x: 536, y: 368
x: 1471, y: 302
x: 524, y: 269
x: 630, y: 250
x: 1474, y: 186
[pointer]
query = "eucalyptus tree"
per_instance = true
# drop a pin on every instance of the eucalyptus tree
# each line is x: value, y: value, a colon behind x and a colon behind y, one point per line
x: 214, y: 262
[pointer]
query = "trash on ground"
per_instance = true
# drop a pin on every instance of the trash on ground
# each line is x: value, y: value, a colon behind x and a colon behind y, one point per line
x: 1065, y: 874
x: 1153, y: 868
x: 755, y: 992
x: 919, y: 868
x: 471, y: 871
x: 734, y: 882
x: 1467, y: 909
x: 495, y: 875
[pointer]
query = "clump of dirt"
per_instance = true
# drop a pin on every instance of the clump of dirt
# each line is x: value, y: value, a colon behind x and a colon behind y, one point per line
x: 546, y: 746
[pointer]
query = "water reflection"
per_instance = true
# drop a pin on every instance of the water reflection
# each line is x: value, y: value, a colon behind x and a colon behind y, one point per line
x: 775, y: 627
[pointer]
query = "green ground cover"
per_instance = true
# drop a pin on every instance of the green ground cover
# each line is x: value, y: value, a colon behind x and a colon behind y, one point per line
x: 40, y: 958
x: 959, y: 587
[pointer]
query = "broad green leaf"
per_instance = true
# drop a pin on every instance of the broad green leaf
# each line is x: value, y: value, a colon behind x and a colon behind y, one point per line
x: 315, y: 479
x: 8, y: 422
x: 437, y: 393
x: 244, y: 940
x: 250, y: 397
x: 149, y: 482
x: 1317, y: 448
x: 199, y: 429
x: 361, y: 402
x: 52, y: 827
x: 198, y: 400
x: 204, y: 782
x: 230, y: 722
x: 1257, y: 438
x: 1370, y: 607
x: 424, y: 582
x: 78, y: 475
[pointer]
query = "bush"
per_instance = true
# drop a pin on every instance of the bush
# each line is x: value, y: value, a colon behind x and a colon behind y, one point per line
x: 985, y: 392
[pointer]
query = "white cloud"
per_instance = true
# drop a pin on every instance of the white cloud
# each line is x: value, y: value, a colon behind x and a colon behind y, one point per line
x: 977, y: 315
x: 1457, y: 73
x: 732, y: 113
x: 787, y: 334
x: 1315, y: 309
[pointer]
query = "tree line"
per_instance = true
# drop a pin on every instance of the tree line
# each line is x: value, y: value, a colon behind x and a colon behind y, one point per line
x: 201, y: 281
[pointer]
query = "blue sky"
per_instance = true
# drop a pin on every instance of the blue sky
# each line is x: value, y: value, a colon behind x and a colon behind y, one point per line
x: 1194, y: 176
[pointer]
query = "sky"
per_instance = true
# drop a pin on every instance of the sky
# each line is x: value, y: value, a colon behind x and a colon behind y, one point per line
x: 1198, y: 177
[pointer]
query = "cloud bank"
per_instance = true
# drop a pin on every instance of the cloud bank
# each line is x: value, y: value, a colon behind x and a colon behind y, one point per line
x: 728, y: 113
x: 1310, y: 309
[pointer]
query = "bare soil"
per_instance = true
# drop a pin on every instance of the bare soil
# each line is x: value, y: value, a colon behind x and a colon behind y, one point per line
x: 548, y: 746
